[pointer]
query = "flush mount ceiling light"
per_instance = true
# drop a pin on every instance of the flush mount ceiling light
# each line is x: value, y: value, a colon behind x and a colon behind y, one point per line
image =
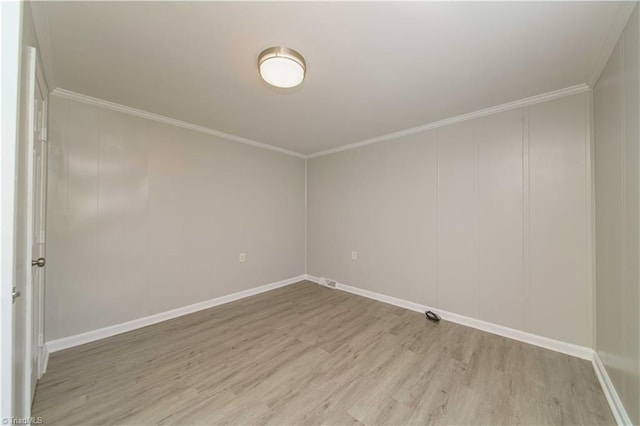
x: 282, y: 67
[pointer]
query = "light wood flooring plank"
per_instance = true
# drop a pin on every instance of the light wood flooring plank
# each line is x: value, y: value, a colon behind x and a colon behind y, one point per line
x: 304, y: 354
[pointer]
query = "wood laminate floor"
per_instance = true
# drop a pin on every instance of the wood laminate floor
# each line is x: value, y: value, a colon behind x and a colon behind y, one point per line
x: 305, y: 354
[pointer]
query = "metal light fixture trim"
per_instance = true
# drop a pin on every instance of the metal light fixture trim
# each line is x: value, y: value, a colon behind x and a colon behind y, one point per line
x: 282, y: 67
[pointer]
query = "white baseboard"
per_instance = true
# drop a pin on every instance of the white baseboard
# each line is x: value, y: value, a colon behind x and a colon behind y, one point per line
x: 93, y: 335
x: 620, y: 414
x: 522, y: 336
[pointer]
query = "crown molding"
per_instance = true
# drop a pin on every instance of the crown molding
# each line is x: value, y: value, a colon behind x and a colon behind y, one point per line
x: 572, y: 90
x: 68, y: 94
x: 615, y: 32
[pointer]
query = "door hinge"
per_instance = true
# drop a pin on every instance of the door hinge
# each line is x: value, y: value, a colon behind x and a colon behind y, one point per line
x: 43, y: 134
x: 36, y: 113
x: 14, y: 294
x: 40, y: 340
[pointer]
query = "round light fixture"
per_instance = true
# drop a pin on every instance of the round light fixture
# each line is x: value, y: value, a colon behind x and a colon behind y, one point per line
x: 282, y: 67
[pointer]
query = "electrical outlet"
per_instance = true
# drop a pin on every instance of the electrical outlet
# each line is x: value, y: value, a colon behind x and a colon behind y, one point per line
x: 354, y: 255
x: 242, y: 257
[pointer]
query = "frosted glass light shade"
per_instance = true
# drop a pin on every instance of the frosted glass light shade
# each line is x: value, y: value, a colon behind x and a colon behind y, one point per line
x: 282, y: 67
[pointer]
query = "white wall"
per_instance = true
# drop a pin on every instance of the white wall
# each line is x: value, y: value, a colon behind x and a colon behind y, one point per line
x: 144, y: 217
x: 617, y: 165
x: 487, y: 218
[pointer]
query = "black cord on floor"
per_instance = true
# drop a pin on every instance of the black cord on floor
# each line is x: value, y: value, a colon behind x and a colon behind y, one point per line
x: 432, y: 316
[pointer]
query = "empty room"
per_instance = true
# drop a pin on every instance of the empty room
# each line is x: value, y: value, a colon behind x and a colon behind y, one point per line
x: 320, y: 213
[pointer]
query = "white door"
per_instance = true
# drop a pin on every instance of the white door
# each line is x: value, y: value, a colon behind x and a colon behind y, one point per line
x: 30, y: 213
x: 38, y: 201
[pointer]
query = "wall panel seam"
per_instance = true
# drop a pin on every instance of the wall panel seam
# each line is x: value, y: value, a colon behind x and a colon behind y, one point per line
x: 147, y: 301
x: 437, y: 217
x: 590, y: 213
x: 306, y: 216
x: 476, y: 227
x: 526, y: 220
x: 65, y: 238
x: 623, y: 224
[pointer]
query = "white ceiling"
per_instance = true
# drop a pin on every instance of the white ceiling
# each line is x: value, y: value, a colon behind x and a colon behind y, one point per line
x: 373, y: 68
